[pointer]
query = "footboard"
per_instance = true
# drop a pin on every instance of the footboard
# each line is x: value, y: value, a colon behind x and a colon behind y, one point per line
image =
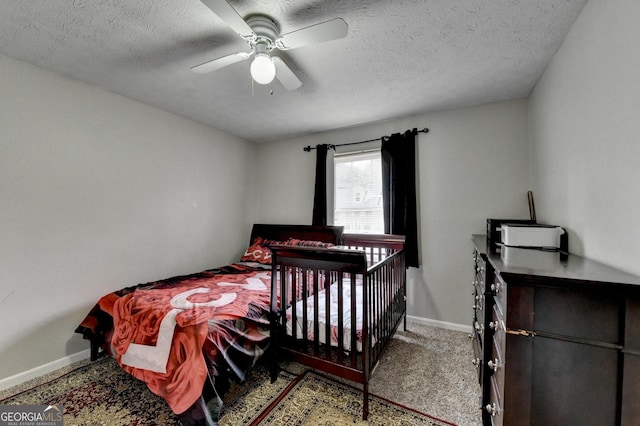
x: 336, y: 309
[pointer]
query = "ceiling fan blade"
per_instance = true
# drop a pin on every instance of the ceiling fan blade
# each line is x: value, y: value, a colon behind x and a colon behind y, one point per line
x: 222, y: 62
x: 325, y: 31
x: 229, y: 15
x: 285, y: 75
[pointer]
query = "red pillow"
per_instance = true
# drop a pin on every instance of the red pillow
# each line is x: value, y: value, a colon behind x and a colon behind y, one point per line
x: 259, y: 251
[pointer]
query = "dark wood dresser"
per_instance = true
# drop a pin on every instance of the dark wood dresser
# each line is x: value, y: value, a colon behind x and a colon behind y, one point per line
x: 556, y: 340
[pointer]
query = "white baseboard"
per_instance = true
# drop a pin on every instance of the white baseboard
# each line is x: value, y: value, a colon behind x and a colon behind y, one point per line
x: 43, y: 369
x: 440, y: 324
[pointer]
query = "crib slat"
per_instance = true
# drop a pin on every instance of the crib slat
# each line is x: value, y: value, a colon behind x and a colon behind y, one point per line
x: 340, y: 324
x: 304, y: 273
x: 316, y: 312
x: 294, y: 299
x: 284, y: 294
x: 327, y: 310
x: 353, y: 356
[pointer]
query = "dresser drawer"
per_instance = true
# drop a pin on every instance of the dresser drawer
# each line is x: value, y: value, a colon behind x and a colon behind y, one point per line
x: 478, y: 309
x: 497, y: 328
x: 631, y: 389
x: 573, y: 312
x: 632, y: 324
x: 495, y: 365
x: 480, y: 267
x: 494, y: 407
x: 498, y: 290
x: 477, y: 360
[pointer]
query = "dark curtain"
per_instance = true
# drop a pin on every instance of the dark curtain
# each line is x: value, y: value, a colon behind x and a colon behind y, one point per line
x: 399, y: 190
x: 320, y: 193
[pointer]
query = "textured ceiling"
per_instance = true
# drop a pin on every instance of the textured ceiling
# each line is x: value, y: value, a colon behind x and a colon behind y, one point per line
x: 399, y: 57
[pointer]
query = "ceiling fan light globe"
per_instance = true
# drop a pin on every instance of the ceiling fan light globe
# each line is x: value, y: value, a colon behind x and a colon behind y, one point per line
x: 263, y: 70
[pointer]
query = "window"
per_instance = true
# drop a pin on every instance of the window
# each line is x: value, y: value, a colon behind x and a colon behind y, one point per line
x: 357, y: 189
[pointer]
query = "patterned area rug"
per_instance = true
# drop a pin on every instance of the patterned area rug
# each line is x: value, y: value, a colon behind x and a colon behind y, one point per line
x: 100, y: 393
x: 314, y: 399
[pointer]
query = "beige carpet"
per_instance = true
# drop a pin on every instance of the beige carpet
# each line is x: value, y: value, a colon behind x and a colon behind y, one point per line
x: 429, y: 369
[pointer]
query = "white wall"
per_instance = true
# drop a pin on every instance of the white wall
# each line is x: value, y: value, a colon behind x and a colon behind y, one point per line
x: 584, y: 119
x: 99, y: 192
x: 473, y: 165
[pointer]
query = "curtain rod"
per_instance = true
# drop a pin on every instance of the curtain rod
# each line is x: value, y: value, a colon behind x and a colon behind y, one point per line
x: 309, y: 148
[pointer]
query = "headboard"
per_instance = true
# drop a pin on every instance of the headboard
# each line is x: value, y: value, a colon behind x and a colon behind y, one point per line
x: 327, y: 234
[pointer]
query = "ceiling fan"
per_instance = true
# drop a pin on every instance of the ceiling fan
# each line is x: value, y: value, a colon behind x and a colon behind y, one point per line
x: 263, y: 35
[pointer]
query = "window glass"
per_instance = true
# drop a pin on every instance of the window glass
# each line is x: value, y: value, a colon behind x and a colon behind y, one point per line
x: 358, y: 193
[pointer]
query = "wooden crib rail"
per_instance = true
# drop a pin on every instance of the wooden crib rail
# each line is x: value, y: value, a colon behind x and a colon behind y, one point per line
x: 335, y: 260
x: 390, y: 241
x: 377, y: 247
x: 344, y: 259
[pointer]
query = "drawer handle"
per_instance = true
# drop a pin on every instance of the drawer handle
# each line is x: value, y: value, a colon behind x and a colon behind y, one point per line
x: 479, y: 328
x: 493, y: 364
x: 495, y: 287
x: 494, y: 325
x: 475, y: 361
x: 492, y: 409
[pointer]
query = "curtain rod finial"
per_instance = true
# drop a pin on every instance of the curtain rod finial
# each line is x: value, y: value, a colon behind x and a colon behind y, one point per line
x: 307, y: 148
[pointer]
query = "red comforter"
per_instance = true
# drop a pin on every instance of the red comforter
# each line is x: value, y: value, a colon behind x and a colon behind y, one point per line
x: 161, y: 332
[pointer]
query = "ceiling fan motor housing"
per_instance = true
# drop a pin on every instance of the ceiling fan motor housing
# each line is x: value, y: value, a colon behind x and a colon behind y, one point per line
x: 266, y: 29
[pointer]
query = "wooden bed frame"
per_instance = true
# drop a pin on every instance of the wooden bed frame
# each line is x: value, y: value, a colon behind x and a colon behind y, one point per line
x: 375, y: 262
x: 327, y: 234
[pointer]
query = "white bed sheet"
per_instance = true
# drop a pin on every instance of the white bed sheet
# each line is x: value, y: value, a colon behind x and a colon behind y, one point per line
x: 333, y: 318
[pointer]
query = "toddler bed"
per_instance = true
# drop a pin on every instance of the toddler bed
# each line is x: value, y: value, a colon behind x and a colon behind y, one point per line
x: 187, y: 336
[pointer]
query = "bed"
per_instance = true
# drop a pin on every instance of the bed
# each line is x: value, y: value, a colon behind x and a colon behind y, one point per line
x: 186, y: 337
